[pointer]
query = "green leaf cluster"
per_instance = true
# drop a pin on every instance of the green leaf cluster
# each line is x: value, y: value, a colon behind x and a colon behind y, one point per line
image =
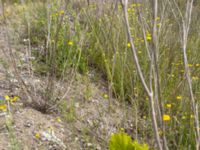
x: 122, y: 141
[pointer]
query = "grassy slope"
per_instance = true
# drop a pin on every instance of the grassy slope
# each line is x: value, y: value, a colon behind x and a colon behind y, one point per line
x: 100, y: 42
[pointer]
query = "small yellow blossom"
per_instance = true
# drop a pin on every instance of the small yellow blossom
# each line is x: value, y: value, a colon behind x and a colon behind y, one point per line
x: 166, y: 118
x: 158, y: 24
x: 62, y: 12
x: 178, y: 97
x: 172, y: 75
x: 190, y: 65
x: 14, y: 99
x: 7, y: 97
x: 128, y: 45
x: 195, y: 78
x: 169, y: 105
x: 105, y: 96
x: 37, y: 135
x: 197, y: 65
x: 122, y: 129
x: 58, y: 120
x: 3, y: 107
x: 183, y: 117
x: 158, y: 18
x: 70, y: 43
x: 192, y: 116
x: 148, y: 36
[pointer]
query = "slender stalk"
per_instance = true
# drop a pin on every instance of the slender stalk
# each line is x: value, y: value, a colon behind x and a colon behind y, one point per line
x: 141, y: 76
x: 194, y: 105
x: 184, y: 24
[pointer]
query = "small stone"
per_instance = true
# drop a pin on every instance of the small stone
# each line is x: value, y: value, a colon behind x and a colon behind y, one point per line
x: 89, y: 144
x: 28, y: 124
x: 77, y: 105
x: 98, y: 147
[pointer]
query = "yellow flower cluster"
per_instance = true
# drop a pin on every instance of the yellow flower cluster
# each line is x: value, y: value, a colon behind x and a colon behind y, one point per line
x: 166, y: 117
x: 148, y: 36
x: 11, y: 99
x: 3, y: 105
x: 60, y: 13
x: 195, y: 78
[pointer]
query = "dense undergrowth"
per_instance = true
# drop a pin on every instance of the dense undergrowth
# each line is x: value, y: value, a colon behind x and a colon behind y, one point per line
x: 86, y: 37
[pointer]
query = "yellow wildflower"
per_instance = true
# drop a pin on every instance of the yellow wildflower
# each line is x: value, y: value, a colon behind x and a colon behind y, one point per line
x: 3, y: 107
x: 14, y: 99
x: 195, y: 78
x: 158, y: 18
x: 62, y: 12
x: 183, y: 117
x: 128, y: 45
x: 70, y: 43
x: 158, y: 24
x: 148, y: 36
x: 169, y: 105
x: 190, y: 65
x: 37, y: 135
x: 172, y: 75
x: 7, y: 97
x: 191, y: 116
x: 166, y: 118
x: 122, y: 129
x: 105, y: 96
x: 178, y: 97
x: 59, y: 120
x: 197, y: 65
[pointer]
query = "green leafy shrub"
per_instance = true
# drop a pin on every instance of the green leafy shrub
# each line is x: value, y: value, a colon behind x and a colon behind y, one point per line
x: 122, y: 141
